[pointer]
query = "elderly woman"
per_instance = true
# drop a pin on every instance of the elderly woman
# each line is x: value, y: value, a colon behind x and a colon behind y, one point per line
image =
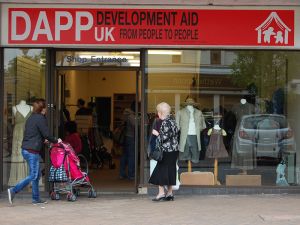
x: 167, y: 134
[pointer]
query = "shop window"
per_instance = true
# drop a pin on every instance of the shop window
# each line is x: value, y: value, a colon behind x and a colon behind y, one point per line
x: 215, y: 57
x: 247, y: 112
x: 24, y: 81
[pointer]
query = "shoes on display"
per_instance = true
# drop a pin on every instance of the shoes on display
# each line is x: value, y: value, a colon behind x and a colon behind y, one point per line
x: 11, y: 195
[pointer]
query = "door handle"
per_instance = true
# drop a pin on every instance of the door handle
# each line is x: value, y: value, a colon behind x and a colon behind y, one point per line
x: 50, y: 105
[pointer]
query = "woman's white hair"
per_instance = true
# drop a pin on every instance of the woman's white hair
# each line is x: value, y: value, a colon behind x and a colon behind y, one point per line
x: 164, y: 108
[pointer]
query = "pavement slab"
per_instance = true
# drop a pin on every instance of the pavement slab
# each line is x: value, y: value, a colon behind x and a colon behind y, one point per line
x: 140, y: 210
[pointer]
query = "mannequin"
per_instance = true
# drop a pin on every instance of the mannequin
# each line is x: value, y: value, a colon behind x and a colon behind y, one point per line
x: 216, y: 148
x: 246, y: 161
x: 243, y: 108
x: 190, y: 121
x: 18, y: 168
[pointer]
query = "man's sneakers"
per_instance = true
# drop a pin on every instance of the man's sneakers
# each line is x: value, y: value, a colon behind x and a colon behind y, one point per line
x: 11, y: 195
x: 40, y: 201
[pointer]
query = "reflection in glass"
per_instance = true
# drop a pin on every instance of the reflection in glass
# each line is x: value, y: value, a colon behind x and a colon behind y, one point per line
x: 24, y: 81
x: 251, y: 95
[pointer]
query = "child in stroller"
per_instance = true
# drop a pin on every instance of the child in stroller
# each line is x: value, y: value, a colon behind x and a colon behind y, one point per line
x: 65, y: 173
x: 72, y: 136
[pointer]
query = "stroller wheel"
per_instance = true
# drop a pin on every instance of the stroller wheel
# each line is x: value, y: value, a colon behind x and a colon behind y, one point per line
x: 92, y: 193
x: 71, y: 197
x: 54, y: 196
x: 76, y: 192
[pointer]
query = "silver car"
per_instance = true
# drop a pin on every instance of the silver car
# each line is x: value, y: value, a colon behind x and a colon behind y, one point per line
x: 268, y: 135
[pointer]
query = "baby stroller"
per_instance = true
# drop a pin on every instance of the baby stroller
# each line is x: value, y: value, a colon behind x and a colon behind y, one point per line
x: 66, y: 175
x: 100, y: 155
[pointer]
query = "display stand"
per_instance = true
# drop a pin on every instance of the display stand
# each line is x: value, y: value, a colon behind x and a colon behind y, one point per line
x: 216, y: 172
x: 244, y: 172
x: 189, y: 166
x: 216, y: 148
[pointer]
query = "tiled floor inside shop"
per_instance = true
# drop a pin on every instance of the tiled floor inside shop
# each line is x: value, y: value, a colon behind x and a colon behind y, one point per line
x: 107, y: 180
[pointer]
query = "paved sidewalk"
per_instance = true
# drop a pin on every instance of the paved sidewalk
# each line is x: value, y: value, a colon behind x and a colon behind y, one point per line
x: 140, y: 210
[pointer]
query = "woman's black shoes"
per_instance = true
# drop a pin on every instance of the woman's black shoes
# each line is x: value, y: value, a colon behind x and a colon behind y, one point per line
x: 159, y: 199
x: 169, y: 198
x: 163, y: 198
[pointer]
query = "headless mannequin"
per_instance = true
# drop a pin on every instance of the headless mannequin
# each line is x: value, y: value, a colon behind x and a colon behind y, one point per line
x: 23, y: 108
x: 223, y: 133
x: 191, y: 122
x: 192, y: 128
x: 191, y: 110
x: 243, y: 102
x: 246, y: 161
x: 18, y: 168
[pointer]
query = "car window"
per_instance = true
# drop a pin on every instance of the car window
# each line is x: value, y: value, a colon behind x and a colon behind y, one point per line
x: 275, y: 122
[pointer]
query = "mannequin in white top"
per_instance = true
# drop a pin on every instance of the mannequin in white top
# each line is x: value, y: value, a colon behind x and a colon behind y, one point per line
x: 192, y: 126
x: 190, y: 121
x: 23, y: 108
x: 18, y: 169
x: 217, y: 127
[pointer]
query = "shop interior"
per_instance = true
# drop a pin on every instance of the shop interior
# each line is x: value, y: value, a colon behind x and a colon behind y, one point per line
x: 108, y: 96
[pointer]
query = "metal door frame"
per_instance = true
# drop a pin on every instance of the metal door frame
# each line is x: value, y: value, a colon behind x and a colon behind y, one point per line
x: 1, y: 117
x: 52, y: 85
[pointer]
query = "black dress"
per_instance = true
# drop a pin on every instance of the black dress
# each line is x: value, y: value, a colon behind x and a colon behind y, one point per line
x: 165, y: 170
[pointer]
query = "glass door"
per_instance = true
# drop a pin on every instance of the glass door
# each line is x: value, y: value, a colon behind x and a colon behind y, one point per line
x: 109, y: 99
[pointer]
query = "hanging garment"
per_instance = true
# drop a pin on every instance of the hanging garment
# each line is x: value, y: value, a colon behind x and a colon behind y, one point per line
x: 18, y: 169
x: 216, y: 148
x: 183, y: 121
x: 191, y: 151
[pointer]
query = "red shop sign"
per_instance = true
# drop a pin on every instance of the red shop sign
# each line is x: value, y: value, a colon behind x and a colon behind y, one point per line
x: 151, y: 27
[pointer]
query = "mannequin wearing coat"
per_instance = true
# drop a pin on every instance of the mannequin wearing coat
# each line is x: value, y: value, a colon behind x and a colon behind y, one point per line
x: 191, y: 122
x: 18, y: 168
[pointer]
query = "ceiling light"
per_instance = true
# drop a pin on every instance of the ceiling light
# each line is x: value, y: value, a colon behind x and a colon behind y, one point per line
x: 134, y: 64
x: 134, y: 61
x: 164, y: 52
x: 107, y: 56
x: 131, y: 53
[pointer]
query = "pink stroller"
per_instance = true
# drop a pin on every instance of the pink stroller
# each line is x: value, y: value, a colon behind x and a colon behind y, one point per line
x: 65, y: 173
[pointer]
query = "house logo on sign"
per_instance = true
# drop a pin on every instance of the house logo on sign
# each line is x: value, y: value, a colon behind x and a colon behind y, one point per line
x: 273, y: 30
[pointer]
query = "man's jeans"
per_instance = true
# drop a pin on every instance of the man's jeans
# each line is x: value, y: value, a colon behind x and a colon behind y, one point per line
x: 128, y: 158
x: 33, y: 161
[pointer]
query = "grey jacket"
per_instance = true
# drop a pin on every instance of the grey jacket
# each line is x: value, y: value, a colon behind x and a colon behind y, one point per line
x: 182, y: 120
x: 36, y: 131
